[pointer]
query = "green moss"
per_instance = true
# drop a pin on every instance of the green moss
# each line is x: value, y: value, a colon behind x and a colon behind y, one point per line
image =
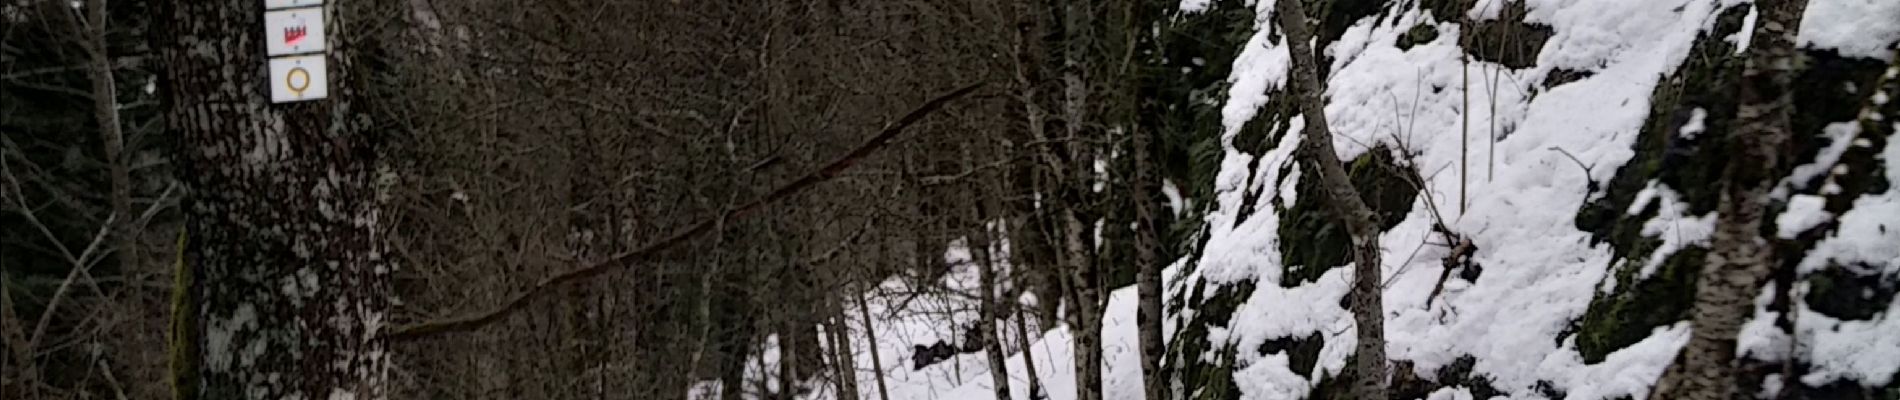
x: 1689, y: 166
x: 1447, y: 10
x: 1335, y: 16
x: 1302, y: 353
x: 1561, y: 76
x: 1313, y: 241
x: 1207, y: 379
x: 1506, y: 40
x: 1408, y: 384
x: 1637, y: 307
x: 1841, y: 293
x: 1334, y: 387
x: 184, y: 332
x: 1853, y: 391
x: 1196, y: 53
x: 1419, y: 34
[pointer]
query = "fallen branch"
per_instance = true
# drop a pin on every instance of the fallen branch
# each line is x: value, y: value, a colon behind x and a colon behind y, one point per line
x: 626, y: 259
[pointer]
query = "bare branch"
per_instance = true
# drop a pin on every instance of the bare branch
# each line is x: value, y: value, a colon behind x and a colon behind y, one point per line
x: 547, y: 285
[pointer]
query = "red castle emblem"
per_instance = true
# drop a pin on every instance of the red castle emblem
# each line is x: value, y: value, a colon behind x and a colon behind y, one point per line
x: 294, y: 34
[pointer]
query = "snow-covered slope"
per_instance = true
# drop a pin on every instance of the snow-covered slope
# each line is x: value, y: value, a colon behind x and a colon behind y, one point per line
x: 1561, y: 148
x: 1576, y: 149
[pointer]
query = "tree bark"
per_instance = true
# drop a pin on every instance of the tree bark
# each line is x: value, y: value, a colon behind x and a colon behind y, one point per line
x: 587, y: 234
x: 846, y: 357
x: 106, y: 113
x: 1147, y: 275
x: 1033, y: 240
x: 1077, y: 24
x: 870, y: 336
x: 1087, y: 308
x: 1345, y: 205
x: 987, y: 307
x: 1029, y: 359
x: 283, y: 222
x: 1740, y: 259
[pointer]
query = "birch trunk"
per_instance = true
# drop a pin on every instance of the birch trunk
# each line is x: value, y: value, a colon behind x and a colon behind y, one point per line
x: 1317, y: 146
x: 1740, y: 259
x: 283, y: 220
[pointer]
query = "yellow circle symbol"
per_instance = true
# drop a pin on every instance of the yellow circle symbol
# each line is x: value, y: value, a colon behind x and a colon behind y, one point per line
x: 297, y: 80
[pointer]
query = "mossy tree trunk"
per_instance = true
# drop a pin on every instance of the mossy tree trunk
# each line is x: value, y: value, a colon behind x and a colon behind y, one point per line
x: 1741, y: 260
x: 292, y: 286
x: 1317, y: 147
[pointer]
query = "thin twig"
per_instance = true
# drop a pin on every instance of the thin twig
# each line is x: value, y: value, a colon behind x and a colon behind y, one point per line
x: 1573, y: 158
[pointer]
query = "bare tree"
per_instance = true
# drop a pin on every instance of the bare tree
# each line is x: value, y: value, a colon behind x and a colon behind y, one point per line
x: 870, y: 336
x: 106, y: 111
x: 1345, y: 204
x: 980, y: 244
x: 1741, y: 260
x: 283, y: 238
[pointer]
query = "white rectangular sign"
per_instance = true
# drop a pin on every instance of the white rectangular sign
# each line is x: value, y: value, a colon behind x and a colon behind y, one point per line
x: 293, y: 31
x: 276, y: 4
x: 298, y: 78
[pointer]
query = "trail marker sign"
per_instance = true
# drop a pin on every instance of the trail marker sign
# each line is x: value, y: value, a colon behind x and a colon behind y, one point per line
x: 294, y: 40
x: 298, y: 78
x: 276, y: 4
x: 293, y: 31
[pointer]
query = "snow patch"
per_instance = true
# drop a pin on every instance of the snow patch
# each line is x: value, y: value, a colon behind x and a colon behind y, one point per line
x: 1856, y: 28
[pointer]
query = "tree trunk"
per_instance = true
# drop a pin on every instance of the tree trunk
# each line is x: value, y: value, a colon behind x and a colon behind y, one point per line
x: 735, y: 348
x: 1078, y: 19
x: 1740, y: 259
x: 845, y: 356
x: 1147, y: 274
x: 870, y: 336
x: 1034, y: 245
x: 106, y: 113
x: 1087, y: 309
x: 1367, y: 303
x: 1029, y: 359
x: 987, y: 307
x: 587, y: 234
x: 284, y: 216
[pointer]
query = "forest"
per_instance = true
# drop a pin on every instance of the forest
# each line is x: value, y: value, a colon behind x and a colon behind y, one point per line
x: 950, y: 199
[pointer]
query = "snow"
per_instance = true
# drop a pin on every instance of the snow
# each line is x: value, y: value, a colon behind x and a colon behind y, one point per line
x: 1271, y: 378
x: 1868, y: 231
x: 1856, y: 28
x: 1541, y: 271
x: 1194, y: 6
x: 1804, y: 212
x: 1866, y: 351
x: 1760, y: 339
x: 1839, y: 135
x: 1176, y: 203
x: 1746, y: 35
x: 1676, y: 230
x: 1695, y: 126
